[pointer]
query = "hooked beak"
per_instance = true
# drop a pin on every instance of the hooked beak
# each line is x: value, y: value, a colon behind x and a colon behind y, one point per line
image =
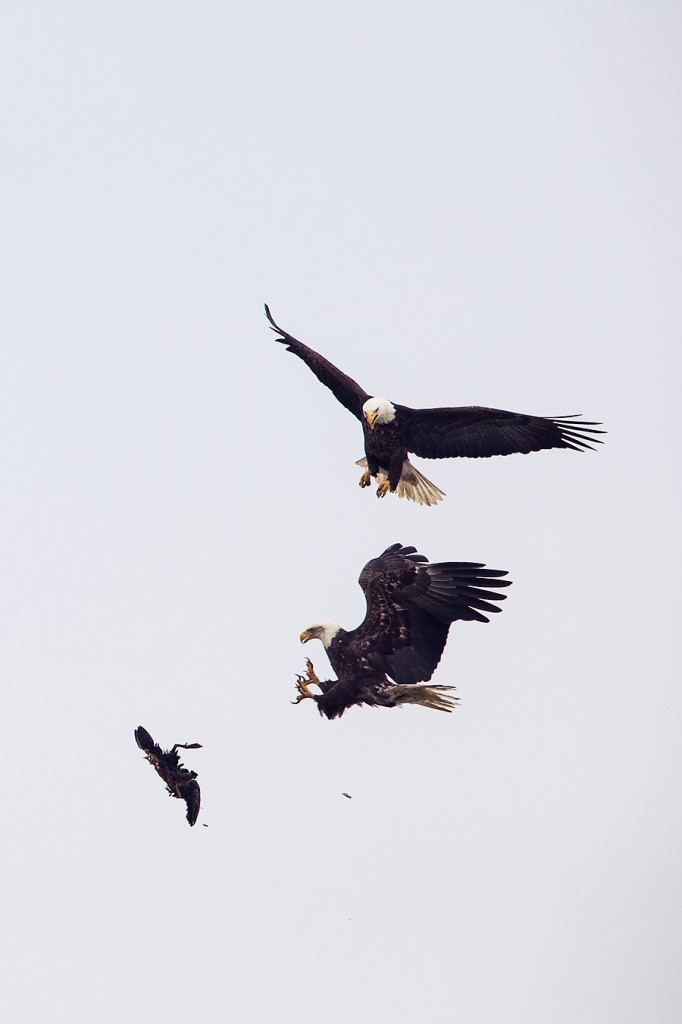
x: 371, y: 418
x: 305, y: 636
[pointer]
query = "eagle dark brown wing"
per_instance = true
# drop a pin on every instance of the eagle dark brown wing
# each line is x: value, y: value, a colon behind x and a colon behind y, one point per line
x: 191, y: 794
x: 411, y: 605
x: 160, y: 759
x: 344, y: 388
x: 477, y: 433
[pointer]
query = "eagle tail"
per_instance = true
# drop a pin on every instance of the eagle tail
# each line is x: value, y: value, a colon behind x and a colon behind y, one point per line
x: 435, y: 697
x: 412, y: 485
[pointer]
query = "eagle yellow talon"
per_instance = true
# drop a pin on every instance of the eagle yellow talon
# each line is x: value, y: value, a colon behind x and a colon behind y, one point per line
x: 383, y: 489
x: 302, y: 683
x: 310, y: 673
x: 366, y: 479
x: 303, y: 691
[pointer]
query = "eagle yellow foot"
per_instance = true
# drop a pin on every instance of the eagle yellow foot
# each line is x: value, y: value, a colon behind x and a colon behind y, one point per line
x: 302, y: 683
x: 366, y: 479
x: 310, y: 673
x: 383, y: 489
x: 303, y: 691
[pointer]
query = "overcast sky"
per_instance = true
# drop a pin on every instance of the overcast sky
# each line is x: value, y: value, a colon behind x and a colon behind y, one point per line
x: 457, y: 204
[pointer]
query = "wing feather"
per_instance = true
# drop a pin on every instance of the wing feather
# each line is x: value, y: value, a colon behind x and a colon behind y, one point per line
x: 191, y: 794
x: 154, y: 753
x: 347, y: 391
x: 143, y: 739
x: 477, y: 433
x: 411, y: 605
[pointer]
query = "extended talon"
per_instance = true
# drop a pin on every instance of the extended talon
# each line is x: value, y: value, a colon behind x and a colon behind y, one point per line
x: 383, y: 489
x: 303, y: 691
x: 366, y: 479
x: 310, y: 673
x: 310, y: 677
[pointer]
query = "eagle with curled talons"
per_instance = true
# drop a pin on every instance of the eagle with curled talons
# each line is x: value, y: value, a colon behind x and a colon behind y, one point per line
x: 180, y: 782
x: 391, y: 431
x: 411, y: 605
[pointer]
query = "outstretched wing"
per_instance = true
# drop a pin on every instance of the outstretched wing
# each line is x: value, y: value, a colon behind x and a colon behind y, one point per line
x: 411, y: 604
x: 477, y: 433
x: 191, y: 794
x: 344, y: 388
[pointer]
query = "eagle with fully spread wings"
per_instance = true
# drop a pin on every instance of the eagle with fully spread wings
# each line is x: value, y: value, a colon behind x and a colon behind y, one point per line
x: 474, y: 432
x: 411, y: 605
x: 180, y: 782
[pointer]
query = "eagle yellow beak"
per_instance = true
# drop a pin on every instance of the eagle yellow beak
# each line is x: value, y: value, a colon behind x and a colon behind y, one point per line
x: 305, y: 636
x: 371, y: 418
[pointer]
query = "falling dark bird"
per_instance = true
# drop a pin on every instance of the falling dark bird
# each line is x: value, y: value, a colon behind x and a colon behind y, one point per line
x: 391, y: 431
x: 410, y: 607
x: 180, y: 782
x: 349, y: 797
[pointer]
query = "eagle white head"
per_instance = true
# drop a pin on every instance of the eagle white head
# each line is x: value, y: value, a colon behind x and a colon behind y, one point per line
x: 324, y: 631
x: 378, y: 410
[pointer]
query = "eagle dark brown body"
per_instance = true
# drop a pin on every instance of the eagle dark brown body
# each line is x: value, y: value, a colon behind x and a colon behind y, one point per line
x: 180, y: 782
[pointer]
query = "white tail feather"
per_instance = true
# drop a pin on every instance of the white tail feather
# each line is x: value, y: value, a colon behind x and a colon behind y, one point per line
x: 412, y: 485
x: 435, y: 697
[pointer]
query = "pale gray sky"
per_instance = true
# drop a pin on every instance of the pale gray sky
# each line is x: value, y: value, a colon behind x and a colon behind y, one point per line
x: 458, y: 204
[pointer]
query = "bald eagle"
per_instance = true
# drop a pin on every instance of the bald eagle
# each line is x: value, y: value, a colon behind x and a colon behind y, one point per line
x: 474, y: 432
x: 180, y: 782
x: 410, y: 607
